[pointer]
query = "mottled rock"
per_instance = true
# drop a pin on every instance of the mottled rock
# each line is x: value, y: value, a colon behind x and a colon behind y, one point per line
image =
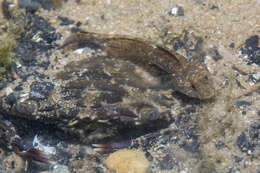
x: 252, y: 50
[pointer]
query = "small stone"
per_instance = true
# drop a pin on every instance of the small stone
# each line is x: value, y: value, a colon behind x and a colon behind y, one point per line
x: 242, y: 104
x: 238, y: 159
x: 220, y: 145
x: 213, y: 52
x: 244, y: 143
x: 60, y: 169
x: 243, y: 112
x: 52, y: 21
x: 178, y: 44
x: 232, y: 45
x: 257, y: 76
x: 249, y: 152
x: 177, y: 11
x: 214, y: 7
x: 125, y: 161
x: 254, y: 131
x: 78, y: 24
x: 65, y: 21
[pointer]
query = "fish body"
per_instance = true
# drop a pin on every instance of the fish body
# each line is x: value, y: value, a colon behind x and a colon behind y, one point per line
x: 123, y: 85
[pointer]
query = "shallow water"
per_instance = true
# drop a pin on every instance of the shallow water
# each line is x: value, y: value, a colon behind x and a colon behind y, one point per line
x: 205, y: 137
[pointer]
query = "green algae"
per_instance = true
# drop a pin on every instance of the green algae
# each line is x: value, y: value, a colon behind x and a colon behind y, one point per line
x: 6, y: 54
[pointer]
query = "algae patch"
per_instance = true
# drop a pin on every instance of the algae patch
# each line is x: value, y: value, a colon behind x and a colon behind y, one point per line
x: 6, y: 54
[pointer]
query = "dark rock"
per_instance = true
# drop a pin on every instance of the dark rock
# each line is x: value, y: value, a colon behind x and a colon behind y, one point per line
x: 193, y: 47
x: 178, y: 44
x: 243, y: 104
x: 220, y: 145
x: 65, y: 21
x: 238, y: 159
x: 252, y: 42
x: 232, y: 45
x: 252, y: 50
x: 214, y: 7
x: 254, y: 131
x: 78, y: 24
x: 213, y: 52
x: 244, y: 143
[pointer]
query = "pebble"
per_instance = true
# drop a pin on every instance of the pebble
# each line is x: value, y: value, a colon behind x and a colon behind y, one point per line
x: 242, y: 104
x: 60, y: 169
x: 176, y: 11
x: 244, y: 143
x: 65, y: 21
x: 252, y: 50
x: 257, y: 76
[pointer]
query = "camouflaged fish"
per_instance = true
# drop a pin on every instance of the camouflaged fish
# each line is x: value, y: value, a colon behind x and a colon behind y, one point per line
x: 116, y: 83
x: 191, y: 80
